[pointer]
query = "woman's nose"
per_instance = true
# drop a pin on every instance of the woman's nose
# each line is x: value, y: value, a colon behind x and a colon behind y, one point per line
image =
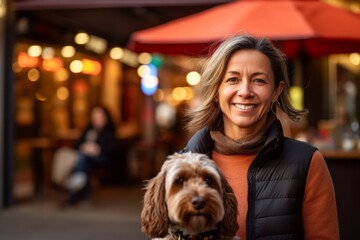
x: 245, y: 89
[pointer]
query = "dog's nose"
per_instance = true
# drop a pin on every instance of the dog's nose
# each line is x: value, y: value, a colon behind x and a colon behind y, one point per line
x: 198, y: 202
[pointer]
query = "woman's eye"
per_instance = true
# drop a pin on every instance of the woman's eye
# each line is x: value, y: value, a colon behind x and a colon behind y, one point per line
x: 231, y: 80
x: 259, y: 80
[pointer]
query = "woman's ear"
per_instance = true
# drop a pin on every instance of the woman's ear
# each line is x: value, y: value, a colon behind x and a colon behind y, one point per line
x: 279, y: 90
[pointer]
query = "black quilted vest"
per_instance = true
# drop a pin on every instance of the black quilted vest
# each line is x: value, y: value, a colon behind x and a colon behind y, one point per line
x: 276, y: 180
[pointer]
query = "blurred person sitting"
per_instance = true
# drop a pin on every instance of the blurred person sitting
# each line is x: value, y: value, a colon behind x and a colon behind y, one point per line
x: 96, y: 148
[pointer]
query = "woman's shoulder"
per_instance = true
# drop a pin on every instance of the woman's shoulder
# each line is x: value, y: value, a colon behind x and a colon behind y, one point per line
x: 298, y: 143
x: 298, y: 149
x: 200, y: 142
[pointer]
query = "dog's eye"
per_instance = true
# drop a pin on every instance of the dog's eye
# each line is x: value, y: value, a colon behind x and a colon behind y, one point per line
x: 179, y: 181
x: 208, y: 180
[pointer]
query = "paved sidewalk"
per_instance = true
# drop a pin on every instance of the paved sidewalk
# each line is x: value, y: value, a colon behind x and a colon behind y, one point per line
x: 113, y: 215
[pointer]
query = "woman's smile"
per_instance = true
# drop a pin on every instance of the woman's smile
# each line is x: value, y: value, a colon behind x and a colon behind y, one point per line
x: 244, y: 107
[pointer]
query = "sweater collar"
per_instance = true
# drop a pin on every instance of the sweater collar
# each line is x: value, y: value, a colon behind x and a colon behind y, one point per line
x: 202, y: 142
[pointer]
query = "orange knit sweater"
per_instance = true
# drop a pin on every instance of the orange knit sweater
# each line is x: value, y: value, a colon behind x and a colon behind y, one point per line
x: 319, y: 206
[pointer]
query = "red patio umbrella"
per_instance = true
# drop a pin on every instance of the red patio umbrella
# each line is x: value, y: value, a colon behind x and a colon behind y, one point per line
x: 308, y: 25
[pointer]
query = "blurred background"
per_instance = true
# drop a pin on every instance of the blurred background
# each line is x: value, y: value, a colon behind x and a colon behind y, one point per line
x: 59, y: 58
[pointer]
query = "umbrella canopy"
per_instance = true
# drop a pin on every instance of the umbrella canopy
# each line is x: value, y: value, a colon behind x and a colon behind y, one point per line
x: 308, y: 25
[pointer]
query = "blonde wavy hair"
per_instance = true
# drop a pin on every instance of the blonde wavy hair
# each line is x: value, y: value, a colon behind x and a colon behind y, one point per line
x: 208, y: 114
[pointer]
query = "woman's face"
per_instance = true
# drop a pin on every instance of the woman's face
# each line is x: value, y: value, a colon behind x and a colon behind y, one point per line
x: 98, y: 118
x: 246, y: 92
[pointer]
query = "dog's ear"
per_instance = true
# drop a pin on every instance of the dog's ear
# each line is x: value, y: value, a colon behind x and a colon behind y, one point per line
x: 154, y: 217
x: 228, y: 226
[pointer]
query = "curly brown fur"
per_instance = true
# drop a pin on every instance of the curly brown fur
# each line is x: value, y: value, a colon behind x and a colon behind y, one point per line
x: 189, y: 195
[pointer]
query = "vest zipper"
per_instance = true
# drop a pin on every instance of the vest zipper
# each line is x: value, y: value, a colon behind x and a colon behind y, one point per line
x: 250, y: 226
x: 250, y: 221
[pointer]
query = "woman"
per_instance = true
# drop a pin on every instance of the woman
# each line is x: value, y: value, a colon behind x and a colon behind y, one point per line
x: 96, y: 147
x: 283, y: 187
